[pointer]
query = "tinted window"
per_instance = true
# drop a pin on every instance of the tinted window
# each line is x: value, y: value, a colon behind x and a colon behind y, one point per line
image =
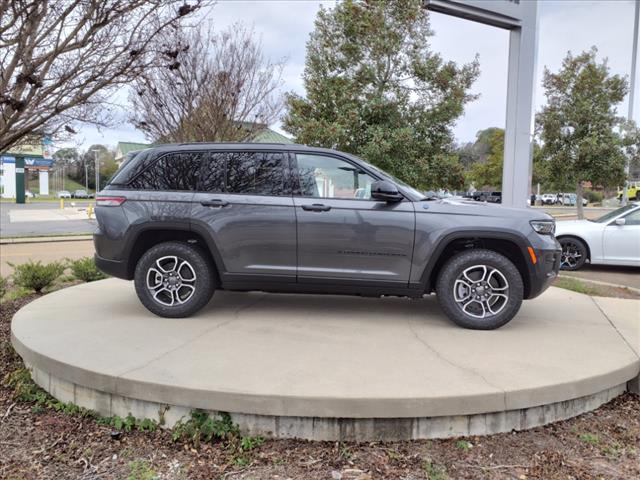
x: 173, y: 171
x: 212, y: 172
x: 632, y: 218
x: 256, y: 173
x: 328, y: 177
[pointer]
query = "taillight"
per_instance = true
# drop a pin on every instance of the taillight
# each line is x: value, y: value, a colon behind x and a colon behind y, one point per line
x: 109, y: 201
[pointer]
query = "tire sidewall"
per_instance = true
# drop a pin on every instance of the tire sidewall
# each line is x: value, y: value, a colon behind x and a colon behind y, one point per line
x: 204, y: 284
x: 460, y: 262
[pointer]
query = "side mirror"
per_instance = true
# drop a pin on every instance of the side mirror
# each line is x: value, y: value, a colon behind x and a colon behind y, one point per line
x: 385, y: 191
x: 620, y: 221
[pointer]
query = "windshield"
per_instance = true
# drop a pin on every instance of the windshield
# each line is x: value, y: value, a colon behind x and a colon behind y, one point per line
x: 611, y: 215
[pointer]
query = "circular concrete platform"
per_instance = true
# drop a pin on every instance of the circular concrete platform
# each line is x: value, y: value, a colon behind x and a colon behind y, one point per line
x: 329, y: 367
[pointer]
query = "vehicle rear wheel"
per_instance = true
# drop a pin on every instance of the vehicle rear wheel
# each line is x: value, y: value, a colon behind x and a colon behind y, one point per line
x: 174, y: 279
x: 574, y: 253
x: 480, y: 289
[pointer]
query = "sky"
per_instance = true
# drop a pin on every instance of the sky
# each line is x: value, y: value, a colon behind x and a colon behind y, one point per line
x: 564, y: 25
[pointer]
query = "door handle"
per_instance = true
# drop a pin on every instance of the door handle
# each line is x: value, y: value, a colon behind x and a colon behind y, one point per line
x: 216, y: 202
x: 316, y: 207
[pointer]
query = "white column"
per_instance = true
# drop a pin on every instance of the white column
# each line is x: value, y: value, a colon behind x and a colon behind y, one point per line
x: 9, y: 180
x: 43, y: 180
x: 518, y: 147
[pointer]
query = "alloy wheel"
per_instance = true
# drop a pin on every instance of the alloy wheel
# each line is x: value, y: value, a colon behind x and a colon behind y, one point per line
x: 481, y: 291
x: 171, y: 280
x: 571, y: 254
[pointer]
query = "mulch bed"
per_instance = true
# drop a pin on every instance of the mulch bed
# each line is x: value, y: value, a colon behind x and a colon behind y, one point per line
x: 42, y: 443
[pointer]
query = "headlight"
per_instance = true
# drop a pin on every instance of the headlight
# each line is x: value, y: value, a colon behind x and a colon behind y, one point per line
x: 544, y: 227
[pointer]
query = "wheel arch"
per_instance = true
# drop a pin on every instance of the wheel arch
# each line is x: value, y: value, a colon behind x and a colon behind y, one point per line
x: 150, y: 236
x: 507, y: 243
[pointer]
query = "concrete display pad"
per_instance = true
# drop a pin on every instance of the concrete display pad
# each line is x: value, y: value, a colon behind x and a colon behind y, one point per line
x: 330, y: 367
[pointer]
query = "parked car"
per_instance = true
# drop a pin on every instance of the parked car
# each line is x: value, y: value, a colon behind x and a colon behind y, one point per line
x: 28, y: 194
x: 570, y: 199
x: 549, y: 198
x: 633, y: 191
x: 184, y: 220
x: 80, y: 194
x: 64, y: 194
x: 613, y: 239
x: 491, y: 197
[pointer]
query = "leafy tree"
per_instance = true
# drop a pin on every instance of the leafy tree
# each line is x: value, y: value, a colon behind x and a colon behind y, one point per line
x: 488, y: 174
x: 374, y: 89
x: 577, y: 126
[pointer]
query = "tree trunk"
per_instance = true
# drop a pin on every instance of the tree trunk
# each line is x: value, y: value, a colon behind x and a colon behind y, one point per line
x: 579, y: 201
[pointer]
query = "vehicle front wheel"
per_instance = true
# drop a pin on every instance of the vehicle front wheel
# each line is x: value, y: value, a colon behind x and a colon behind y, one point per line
x: 480, y: 289
x: 174, y: 279
x: 574, y: 253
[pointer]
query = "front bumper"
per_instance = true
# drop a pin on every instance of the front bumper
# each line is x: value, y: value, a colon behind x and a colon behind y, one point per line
x: 545, y: 270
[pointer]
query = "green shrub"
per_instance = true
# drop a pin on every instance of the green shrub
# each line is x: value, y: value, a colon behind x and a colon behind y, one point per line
x: 202, y: 428
x: 85, y: 269
x: 593, y: 197
x: 36, y: 276
x: 3, y: 286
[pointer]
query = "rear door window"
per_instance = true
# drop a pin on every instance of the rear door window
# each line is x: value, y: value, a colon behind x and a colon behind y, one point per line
x: 172, y: 171
x: 257, y: 173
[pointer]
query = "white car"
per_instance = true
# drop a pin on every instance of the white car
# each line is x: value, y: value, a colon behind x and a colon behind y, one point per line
x: 613, y: 239
x: 64, y: 194
x: 548, y: 198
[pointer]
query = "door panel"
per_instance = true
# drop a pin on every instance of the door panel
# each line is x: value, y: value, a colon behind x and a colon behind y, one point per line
x: 342, y: 232
x: 249, y: 213
x: 622, y: 242
x: 358, y: 239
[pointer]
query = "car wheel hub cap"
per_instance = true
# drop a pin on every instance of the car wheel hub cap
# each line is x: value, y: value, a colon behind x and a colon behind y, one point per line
x: 171, y: 281
x: 570, y: 255
x: 481, y: 291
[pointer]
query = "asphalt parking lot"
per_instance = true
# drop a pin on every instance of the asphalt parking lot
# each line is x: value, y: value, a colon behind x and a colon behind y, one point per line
x: 39, y: 218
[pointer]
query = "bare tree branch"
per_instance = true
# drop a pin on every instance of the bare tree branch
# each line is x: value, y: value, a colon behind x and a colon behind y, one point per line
x: 60, y: 59
x: 217, y: 87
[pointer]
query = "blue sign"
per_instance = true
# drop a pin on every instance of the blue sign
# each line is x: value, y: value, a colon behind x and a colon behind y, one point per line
x: 28, y: 161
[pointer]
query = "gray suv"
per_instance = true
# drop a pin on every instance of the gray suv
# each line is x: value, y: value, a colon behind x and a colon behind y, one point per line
x: 185, y: 220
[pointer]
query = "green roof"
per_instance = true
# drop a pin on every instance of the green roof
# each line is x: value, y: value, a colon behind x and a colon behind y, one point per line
x: 125, y: 147
x: 269, y: 136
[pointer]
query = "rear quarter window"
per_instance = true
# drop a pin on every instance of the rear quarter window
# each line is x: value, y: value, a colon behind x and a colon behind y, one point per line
x: 172, y: 171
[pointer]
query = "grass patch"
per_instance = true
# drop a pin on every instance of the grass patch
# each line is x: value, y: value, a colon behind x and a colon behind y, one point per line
x: 434, y: 471
x: 594, y: 289
x: 464, y: 445
x: 589, y: 438
x: 141, y: 470
x: 576, y: 285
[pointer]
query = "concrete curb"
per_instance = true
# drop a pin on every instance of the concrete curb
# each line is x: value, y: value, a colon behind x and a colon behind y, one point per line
x: 298, y: 366
x: 598, y: 282
x: 47, y: 239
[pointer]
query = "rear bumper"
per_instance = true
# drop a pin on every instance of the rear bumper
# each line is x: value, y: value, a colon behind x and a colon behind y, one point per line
x: 545, y: 271
x: 115, y: 268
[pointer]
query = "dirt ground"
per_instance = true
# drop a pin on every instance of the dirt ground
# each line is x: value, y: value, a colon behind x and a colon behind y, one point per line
x: 37, y: 442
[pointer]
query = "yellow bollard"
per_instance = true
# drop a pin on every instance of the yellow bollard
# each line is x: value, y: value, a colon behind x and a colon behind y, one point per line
x: 90, y: 210
x: 62, y: 204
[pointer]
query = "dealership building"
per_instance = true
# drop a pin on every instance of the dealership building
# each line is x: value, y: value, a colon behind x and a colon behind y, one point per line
x: 18, y: 162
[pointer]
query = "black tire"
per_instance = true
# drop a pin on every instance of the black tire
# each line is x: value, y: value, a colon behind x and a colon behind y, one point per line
x: 574, y: 253
x: 195, y: 278
x: 465, y: 312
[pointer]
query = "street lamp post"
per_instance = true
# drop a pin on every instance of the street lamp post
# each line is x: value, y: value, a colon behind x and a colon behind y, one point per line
x: 632, y: 84
x: 95, y: 151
